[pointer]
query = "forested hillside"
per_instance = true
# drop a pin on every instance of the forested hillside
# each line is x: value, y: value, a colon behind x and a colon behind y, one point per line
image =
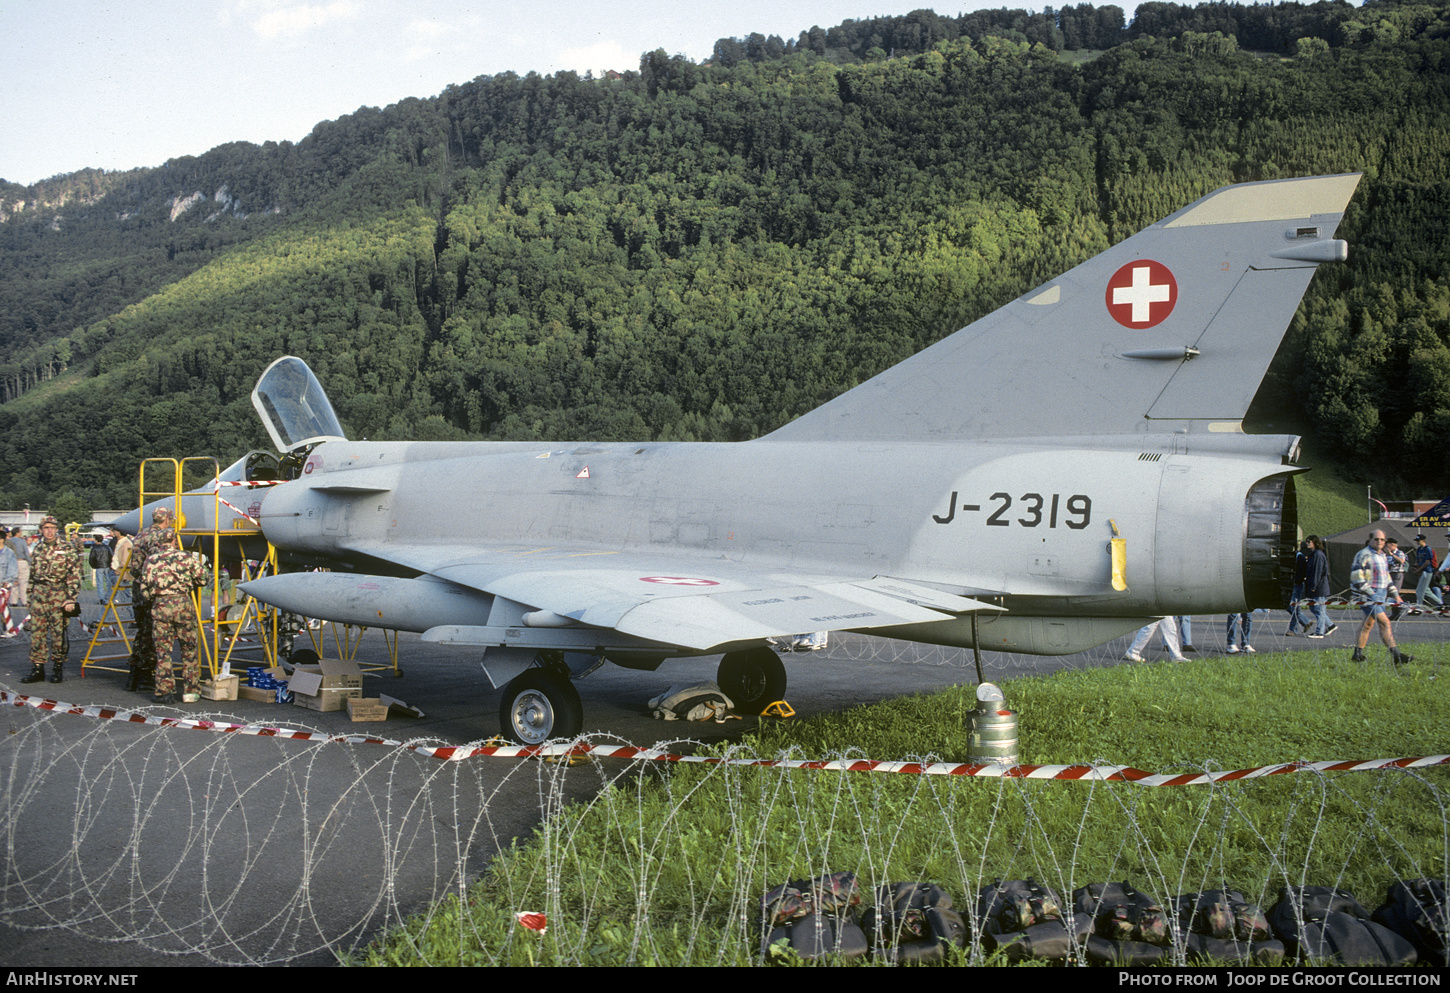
x: 704, y: 251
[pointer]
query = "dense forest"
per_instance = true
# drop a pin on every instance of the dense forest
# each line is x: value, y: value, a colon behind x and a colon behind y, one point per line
x: 704, y: 251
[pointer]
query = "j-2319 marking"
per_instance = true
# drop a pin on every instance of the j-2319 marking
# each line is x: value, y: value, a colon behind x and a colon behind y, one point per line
x: 1075, y: 512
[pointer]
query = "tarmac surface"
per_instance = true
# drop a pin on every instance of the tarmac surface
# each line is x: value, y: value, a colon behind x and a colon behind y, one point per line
x: 459, y: 707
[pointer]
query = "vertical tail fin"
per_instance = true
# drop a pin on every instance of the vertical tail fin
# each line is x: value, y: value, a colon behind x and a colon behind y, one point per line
x: 1172, y: 328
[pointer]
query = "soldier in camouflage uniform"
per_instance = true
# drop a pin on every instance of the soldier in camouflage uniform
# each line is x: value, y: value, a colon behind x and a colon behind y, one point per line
x: 55, y: 584
x: 170, y: 576
x: 143, y: 652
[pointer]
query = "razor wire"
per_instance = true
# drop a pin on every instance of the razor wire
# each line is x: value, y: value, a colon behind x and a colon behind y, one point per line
x: 263, y: 849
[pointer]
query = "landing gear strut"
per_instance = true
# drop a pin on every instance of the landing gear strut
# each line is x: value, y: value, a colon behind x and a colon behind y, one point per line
x: 752, y: 679
x: 539, y: 704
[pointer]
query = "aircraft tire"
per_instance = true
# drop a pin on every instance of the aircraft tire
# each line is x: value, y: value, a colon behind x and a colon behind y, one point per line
x: 752, y: 679
x: 538, y: 705
x: 303, y: 656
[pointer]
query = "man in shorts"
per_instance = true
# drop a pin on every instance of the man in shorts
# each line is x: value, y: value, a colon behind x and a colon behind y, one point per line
x: 1369, y: 580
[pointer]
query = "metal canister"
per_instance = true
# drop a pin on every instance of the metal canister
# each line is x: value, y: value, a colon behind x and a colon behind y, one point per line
x: 993, y: 728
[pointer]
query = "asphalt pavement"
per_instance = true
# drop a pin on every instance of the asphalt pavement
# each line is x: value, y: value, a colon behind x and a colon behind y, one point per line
x: 324, y: 846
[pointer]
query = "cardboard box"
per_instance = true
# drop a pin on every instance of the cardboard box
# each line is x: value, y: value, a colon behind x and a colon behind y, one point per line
x: 263, y: 694
x: 326, y: 686
x: 224, y: 688
x: 276, y: 672
x: 397, y: 708
x: 367, y: 709
x: 326, y: 700
x: 327, y: 674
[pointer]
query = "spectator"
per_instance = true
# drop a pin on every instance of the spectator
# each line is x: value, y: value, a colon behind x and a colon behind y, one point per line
x: 1316, y: 586
x: 1240, y: 626
x: 1369, y: 580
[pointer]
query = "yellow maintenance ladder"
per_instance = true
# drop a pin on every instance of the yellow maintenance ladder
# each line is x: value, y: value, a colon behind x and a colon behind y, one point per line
x: 227, y: 630
x: 118, y: 616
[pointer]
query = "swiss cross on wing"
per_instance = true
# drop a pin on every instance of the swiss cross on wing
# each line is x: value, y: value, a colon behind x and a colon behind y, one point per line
x: 1141, y: 294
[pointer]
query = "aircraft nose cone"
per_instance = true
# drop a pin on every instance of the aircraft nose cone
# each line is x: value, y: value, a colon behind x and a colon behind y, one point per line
x: 128, y: 523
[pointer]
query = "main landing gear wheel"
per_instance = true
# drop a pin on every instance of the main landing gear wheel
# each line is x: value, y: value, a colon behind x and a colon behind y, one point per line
x: 752, y: 679
x: 538, y: 705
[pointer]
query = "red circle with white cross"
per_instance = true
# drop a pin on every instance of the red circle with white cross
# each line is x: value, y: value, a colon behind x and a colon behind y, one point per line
x: 678, y: 580
x: 1141, y: 294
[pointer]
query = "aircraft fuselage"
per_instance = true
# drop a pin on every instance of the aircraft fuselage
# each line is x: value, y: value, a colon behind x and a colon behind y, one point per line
x: 1026, y: 526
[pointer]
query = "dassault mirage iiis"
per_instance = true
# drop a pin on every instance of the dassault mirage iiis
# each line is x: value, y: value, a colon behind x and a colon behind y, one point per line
x: 1050, y: 477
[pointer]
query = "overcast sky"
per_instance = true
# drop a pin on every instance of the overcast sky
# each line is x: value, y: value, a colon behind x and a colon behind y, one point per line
x: 116, y: 85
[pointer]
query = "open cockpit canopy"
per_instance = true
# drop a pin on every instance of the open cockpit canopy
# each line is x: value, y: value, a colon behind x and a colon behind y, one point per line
x: 292, y: 405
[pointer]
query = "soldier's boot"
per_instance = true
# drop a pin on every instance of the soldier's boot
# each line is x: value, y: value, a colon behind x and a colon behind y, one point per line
x: 56, y: 675
x: 37, y: 675
x: 1399, y: 657
x: 1359, y: 655
x: 134, y: 680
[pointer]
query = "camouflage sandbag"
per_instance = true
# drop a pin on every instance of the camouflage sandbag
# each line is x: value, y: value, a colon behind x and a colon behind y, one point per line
x: 1122, y: 913
x: 1222, y: 914
x: 1016, y: 905
x: 1051, y: 941
x: 832, y: 893
x: 1023, y: 920
x: 913, y: 922
x: 1221, y: 926
x: 816, y: 936
x: 1123, y: 951
x: 1201, y: 949
x: 1297, y: 904
x: 1417, y: 911
x: 1322, y: 924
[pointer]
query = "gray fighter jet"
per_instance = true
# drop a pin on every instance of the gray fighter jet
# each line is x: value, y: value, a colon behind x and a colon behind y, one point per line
x: 1050, y: 477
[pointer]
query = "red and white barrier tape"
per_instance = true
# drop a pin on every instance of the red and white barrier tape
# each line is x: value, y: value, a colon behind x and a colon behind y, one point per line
x: 11, y: 629
x: 238, y: 510
x: 457, y: 753
x: 250, y: 484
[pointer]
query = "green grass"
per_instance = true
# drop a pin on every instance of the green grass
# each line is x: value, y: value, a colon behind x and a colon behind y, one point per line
x: 1235, y: 711
x: 1328, y: 502
x: 666, y: 868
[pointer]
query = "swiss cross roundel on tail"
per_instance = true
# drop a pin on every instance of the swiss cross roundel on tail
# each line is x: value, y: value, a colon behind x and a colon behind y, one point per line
x: 1141, y: 294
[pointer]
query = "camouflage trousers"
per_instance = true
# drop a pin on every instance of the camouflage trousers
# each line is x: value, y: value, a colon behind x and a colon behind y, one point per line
x: 49, y: 627
x: 143, y: 651
x: 173, y: 618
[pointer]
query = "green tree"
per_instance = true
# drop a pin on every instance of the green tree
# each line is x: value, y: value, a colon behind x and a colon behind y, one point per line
x: 70, y: 509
